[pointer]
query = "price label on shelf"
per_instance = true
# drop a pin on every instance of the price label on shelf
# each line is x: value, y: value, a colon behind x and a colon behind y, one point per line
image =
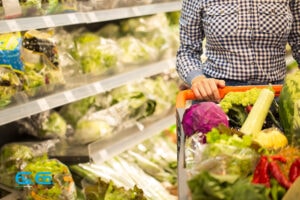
x: 13, y: 25
x: 73, y: 18
x: 48, y: 21
x: 136, y: 11
x: 98, y: 87
x: 92, y: 17
x: 43, y: 104
x: 69, y: 96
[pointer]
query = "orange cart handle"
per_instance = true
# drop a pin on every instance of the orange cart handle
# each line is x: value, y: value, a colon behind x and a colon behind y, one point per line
x: 188, y: 94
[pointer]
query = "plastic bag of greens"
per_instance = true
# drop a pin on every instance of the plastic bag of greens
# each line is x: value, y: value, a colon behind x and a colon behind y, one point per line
x: 15, y: 156
x: 56, y: 181
x: 38, y: 45
x: 135, y: 52
x: 42, y: 72
x: 56, y: 6
x: 96, y: 55
x: 32, y: 8
x: 102, y: 4
x: 45, y: 125
x: 10, y: 84
x: 222, y: 154
x: 99, y: 124
x: 125, y: 111
x: 125, y: 3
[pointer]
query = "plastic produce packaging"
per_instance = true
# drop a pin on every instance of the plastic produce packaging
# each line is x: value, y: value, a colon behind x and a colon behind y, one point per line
x: 25, y: 166
x: 10, y: 84
x: 42, y: 71
x: 30, y: 8
x: 15, y: 156
x: 10, y: 45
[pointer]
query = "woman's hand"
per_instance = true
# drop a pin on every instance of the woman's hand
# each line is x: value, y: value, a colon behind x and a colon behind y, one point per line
x: 207, y: 88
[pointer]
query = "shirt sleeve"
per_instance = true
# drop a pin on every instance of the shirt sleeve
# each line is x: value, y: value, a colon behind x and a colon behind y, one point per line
x: 188, y: 58
x: 294, y: 37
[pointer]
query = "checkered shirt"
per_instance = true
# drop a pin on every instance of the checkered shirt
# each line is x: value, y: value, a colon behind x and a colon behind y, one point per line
x: 245, y: 39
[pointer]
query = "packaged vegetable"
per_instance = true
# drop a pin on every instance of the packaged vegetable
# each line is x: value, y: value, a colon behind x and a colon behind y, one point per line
x: 15, y: 156
x: 62, y: 184
x: 10, y: 84
x: 45, y: 125
x: 40, y: 44
x: 10, y: 48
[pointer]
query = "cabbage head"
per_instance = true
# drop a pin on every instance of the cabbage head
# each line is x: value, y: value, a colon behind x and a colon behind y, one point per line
x: 202, y: 117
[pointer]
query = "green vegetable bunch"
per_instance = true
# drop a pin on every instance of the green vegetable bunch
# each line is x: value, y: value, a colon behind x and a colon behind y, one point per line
x: 289, y: 107
x: 239, y: 98
x: 206, y: 186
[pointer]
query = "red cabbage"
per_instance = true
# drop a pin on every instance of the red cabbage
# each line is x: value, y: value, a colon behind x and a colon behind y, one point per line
x: 202, y: 117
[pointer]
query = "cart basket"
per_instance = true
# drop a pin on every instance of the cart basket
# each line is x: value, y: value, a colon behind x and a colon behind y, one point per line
x: 181, y: 100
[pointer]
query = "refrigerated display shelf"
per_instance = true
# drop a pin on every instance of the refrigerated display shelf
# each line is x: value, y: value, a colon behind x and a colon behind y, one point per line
x: 25, y: 109
x: 57, y: 20
x: 102, y: 150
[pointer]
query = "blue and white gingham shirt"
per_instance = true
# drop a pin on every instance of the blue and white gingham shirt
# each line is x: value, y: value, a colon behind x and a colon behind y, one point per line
x: 245, y: 39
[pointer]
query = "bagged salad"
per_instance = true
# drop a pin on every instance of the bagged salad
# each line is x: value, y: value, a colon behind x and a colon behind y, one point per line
x: 25, y: 166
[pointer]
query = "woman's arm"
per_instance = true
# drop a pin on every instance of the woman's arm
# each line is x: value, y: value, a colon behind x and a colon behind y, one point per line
x: 188, y: 62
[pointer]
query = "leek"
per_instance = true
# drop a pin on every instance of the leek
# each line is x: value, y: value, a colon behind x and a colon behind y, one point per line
x: 256, y: 118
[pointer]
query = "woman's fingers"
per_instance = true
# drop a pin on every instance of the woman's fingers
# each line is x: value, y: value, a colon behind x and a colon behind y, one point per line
x: 207, y: 88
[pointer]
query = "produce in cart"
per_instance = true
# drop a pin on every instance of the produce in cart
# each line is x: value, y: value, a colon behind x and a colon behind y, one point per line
x: 256, y: 157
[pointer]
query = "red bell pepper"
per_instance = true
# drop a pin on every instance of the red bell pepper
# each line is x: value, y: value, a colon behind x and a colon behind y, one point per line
x: 294, y: 172
x: 275, y: 171
x: 260, y: 175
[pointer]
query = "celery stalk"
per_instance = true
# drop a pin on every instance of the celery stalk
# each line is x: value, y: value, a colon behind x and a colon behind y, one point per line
x: 256, y: 117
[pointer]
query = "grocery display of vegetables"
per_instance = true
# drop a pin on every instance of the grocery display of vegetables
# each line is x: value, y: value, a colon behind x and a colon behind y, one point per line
x: 33, y: 68
x: 29, y: 8
x: 105, y: 115
x: 145, y: 172
x: 46, y: 61
x: 32, y: 157
x: 255, y: 156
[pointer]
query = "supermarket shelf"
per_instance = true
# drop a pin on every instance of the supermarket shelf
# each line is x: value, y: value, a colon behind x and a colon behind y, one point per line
x: 25, y: 109
x: 10, y: 193
x: 134, y: 11
x: 28, y: 23
x: 105, y: 149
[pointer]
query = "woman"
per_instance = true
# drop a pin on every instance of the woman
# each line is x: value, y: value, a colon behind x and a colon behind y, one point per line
x: 245, y: 43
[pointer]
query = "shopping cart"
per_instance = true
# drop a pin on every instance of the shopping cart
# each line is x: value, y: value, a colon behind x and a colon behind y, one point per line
x: 181, y: 103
